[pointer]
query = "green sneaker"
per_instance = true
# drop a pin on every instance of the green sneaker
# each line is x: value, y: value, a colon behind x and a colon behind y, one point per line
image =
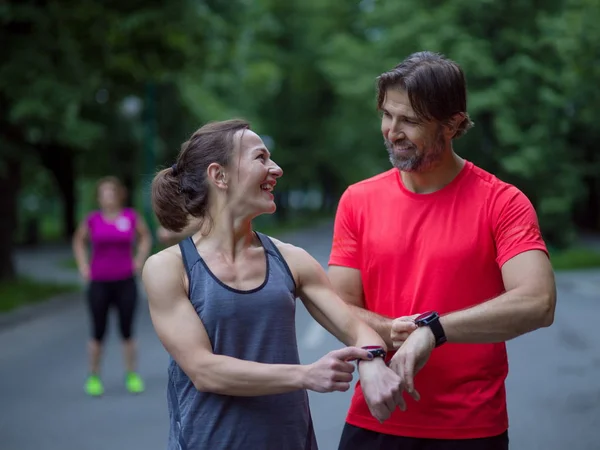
x: 93, y: 386
x: 134, y: 383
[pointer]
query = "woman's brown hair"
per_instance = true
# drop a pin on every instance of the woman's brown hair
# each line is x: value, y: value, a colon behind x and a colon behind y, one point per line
x: 181, y: 191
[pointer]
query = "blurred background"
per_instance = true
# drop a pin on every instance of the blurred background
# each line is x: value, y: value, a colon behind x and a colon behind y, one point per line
x: 95, y: 88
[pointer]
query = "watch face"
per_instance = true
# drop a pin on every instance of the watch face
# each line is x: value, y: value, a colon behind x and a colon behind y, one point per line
x: 426, y: 318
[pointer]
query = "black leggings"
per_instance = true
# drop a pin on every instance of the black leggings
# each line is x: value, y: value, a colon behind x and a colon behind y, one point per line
x: 102, y: 295
x: 355, y: 438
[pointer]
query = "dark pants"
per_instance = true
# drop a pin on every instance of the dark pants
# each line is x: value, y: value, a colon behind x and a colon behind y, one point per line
x: 354, y: 438
x: 121, y: 294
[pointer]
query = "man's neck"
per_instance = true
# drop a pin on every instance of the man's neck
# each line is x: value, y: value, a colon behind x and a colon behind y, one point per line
x: 435, y: 178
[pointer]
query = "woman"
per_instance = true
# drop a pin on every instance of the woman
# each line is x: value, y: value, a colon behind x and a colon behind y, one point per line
x: 111, y: 272
x: 223, y: 304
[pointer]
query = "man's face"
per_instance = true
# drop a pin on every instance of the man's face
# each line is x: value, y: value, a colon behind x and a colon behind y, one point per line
x: 413, y: 145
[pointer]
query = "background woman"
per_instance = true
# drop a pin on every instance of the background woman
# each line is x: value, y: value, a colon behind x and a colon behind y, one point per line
x: 112, y: 230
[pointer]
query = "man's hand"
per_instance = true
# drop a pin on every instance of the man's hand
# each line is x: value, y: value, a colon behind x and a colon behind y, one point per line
x: 401, y: 329
x: 381, y: 388
x: 411, y: 358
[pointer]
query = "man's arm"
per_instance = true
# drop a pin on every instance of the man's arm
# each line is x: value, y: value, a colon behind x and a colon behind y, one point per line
x: 528, y: 304
x: 347, y: 283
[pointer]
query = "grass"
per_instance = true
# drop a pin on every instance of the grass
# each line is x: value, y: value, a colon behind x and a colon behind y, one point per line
x: 575, y: 258
x: 23, y: 291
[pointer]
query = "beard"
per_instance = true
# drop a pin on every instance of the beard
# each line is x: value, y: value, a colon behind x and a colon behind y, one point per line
x: 413, y: 159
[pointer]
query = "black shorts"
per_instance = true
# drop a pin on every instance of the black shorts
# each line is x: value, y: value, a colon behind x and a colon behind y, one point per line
x: 120, y: 294
x: 355, y: 438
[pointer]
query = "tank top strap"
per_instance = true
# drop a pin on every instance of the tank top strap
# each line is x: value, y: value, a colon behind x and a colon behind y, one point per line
x: 189, y: 254
x: 274, y: 252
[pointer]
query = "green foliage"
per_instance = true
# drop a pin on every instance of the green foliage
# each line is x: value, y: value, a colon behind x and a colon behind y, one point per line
x: 303, y: 72
x: 23, y: 291
x: 575, y: 258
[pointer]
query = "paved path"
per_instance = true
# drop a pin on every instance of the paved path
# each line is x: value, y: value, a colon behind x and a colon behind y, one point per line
x: 553, y: 386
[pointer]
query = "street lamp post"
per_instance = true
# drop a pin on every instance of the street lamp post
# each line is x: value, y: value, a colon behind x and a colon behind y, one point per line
x: 149, y: 152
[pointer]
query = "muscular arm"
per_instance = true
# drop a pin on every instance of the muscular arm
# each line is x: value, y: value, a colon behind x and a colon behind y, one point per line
x: 528, y: 304
x: 183, y: 335
x: 348, y: 285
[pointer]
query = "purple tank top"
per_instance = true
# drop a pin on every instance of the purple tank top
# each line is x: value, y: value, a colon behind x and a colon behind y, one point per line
x: 112, y: 245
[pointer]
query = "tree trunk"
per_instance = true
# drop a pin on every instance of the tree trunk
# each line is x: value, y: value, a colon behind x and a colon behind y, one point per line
x: 60, y: 161
x: 10, y: 180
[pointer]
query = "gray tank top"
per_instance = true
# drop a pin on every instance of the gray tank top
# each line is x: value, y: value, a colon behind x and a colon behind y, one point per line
x: 255, y: 325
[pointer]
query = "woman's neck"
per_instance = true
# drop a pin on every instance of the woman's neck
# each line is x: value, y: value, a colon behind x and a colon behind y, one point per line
x: 227, y: 235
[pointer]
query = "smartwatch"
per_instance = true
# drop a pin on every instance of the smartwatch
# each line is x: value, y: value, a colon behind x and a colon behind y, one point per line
x: 431, y: 319
x: 375, y: 350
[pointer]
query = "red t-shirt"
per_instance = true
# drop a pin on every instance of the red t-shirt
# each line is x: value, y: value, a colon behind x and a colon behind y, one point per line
x: 441, y: 251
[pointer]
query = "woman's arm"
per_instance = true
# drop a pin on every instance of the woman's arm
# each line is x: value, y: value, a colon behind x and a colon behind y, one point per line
x: 323, y: 303
x: 144, y: 246
x: 380, y: 385
x: 79, y: 244
x: 184, y: 336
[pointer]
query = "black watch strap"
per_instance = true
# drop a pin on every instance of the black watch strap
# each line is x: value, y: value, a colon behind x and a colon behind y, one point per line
x: 376, y: 351
x: 438, y: 332
x: 432, y: 320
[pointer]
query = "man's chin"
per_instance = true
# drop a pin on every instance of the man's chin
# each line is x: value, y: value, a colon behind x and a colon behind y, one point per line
x: 405, y: 166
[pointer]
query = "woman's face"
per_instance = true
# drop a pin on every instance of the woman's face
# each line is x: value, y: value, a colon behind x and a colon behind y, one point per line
x: 254, y: 175
x: 109, y: 196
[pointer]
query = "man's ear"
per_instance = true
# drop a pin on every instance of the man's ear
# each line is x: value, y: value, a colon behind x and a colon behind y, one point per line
x: 217, y: 176
x: 451, y: 126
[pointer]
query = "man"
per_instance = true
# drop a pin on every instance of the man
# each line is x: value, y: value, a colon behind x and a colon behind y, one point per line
x: 446, y: 262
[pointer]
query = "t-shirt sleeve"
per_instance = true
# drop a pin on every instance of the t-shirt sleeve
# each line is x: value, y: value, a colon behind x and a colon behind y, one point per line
x: 345, y: 248
x: 516, y: 226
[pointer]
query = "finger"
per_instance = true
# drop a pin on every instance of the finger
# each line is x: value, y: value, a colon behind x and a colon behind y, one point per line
x: 415, y: 395
x: 403, y: 325
x: 401, y: 402
x: 342, y: 377
x: 340, y: 386
x: 351, y: 353
x: 408, y: 371
x: 342, y: 366
x: 382, y: 414
x: 390, y: 404
x: 375, y: 413
x: 397, y: 343
x: 398, y: 396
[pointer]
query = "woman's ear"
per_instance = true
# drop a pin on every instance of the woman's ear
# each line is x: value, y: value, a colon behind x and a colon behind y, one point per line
x: 217, y: 176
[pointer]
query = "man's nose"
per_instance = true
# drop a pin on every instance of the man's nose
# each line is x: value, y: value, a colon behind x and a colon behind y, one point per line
x: 396, y: 133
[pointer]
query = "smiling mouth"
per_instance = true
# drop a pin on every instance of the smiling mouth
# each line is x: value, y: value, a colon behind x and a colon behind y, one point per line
x: 267, y: 187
